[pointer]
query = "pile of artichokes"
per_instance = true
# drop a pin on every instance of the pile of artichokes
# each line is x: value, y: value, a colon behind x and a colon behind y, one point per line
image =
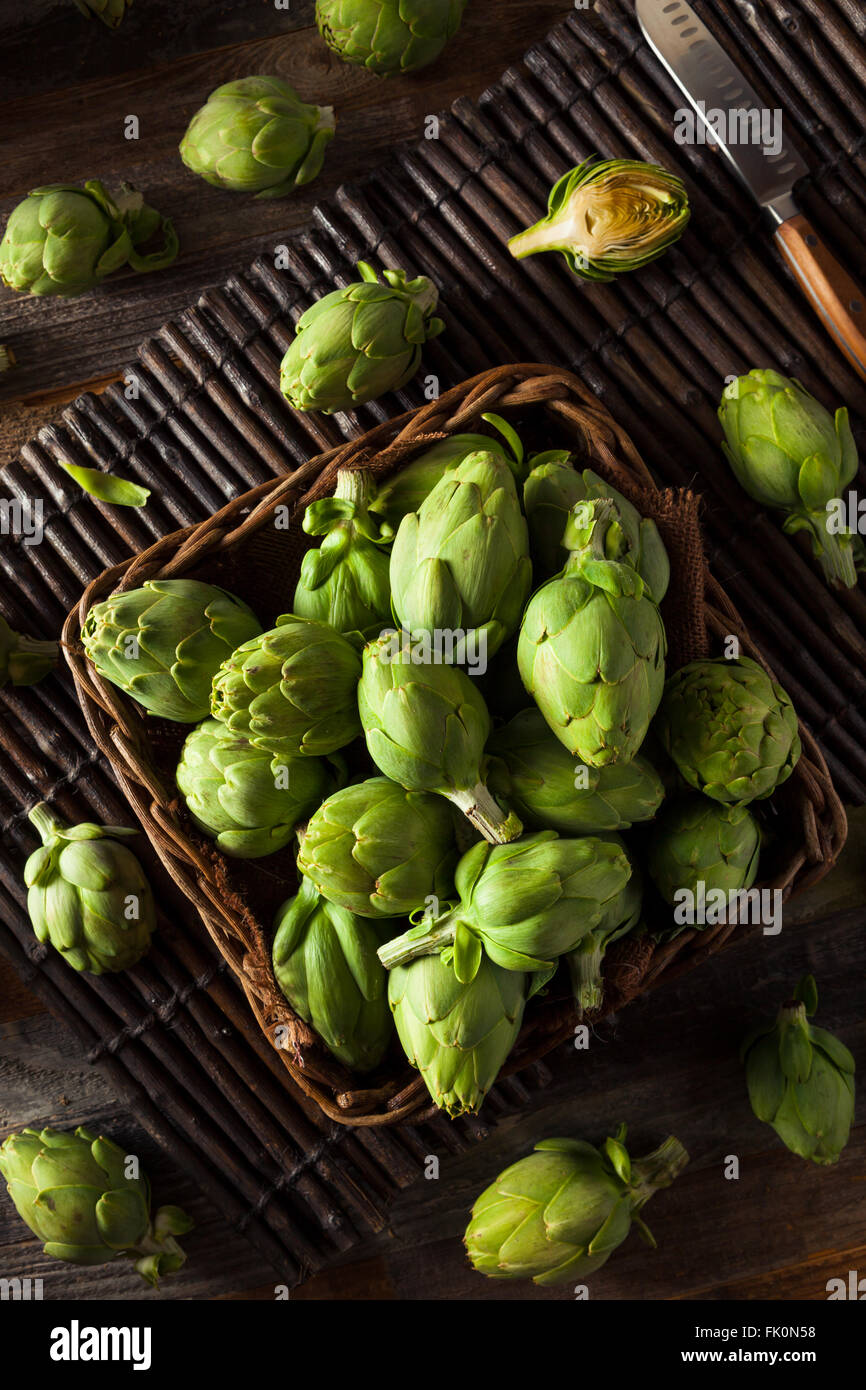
x: 452, y: 853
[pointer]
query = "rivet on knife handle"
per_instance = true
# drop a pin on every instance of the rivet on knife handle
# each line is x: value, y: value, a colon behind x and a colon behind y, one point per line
x: 836, y: 298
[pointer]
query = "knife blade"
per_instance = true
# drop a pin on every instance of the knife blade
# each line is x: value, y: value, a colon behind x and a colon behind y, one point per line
x: 728, y: 107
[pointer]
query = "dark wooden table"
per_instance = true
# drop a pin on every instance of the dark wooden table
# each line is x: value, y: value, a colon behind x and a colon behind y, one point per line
x: 667, y: 1065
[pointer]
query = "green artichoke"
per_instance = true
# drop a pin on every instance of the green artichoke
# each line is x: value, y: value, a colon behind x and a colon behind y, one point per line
x: 255, y: 135
x: 345, y: 582
x: 406, y: 488
x: 162, y: 643
x: 592, y: 644
x: 621, y: 915
x: 550, y: 491
x: 388, y: 37
x: 291, y: 691
x: 359, y: 342
x: 801, y: 1079
x: 558, y: 1214
x: 87, y: 894
x: 698, y: 846
x: 457, y: 1035
x: 426, y: 725
x: 63, y: 240
x: 325, y: 963
x: 73, y: 1192
x: 523, y: 904
x: 608, y: 217
x: 730, y: 729
x: 379, y: 850
x: 529, y: 769
x: 789, y: 453
x: 24, y: 660
x: 461, y: 562
x: 247, y: 800
x: 111, y: 12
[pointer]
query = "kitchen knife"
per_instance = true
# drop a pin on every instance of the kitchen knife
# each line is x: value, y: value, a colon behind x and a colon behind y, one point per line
x: 711, y: 82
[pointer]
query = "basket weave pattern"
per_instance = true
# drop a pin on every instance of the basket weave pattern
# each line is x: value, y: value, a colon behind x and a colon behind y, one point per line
x: 698, y: 616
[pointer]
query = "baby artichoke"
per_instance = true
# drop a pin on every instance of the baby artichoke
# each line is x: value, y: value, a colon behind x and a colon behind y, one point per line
x: 621, y: 915
x: 74, y: 1192
x: 426, y: 725
x: 162, y: 643
x: 87, y: 894
x: 345, y: 582
x: 730, y: 729
x: 529, y: 769
x: 461, y: 562
x: 355, y: 344
x: 789, y: 453
x: 379, y: 850
x: 111, y: 12
x: 592, y: 644
x: 255, y: 135
x: 558, y: 1214
x: 609, y: 216
x: 406, y: 488
x: 24, y: 660
x: 64, y: 239
x: 249, y: 801
x: 325, y: 963
x: 388, y: 37
x: 697, y: 842
x: 523, y: 904
x: 458, y: 1035
x: 290, y: 691
x: 801, y: 1080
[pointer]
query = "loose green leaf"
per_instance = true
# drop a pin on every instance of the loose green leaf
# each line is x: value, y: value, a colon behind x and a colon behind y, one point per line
x: 107, y: 487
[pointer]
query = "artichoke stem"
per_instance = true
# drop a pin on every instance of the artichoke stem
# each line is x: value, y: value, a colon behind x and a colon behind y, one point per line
x: 658, y: 1169
x: 836, y: 558
x: 544, y: 236
x: 478, y: 806
x: 409, y: 946
x: 45, y: 821
x: 584, y: 966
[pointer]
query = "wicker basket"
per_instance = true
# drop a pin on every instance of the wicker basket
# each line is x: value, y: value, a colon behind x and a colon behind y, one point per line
x: 240, y: 548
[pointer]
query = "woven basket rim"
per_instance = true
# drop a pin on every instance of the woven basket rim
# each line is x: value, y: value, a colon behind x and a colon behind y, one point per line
x: 119, y: 727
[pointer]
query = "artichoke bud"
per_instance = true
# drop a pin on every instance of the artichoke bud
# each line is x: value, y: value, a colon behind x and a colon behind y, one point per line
x: 608, y: 217
x: 345, y: 583
x: 248, y: 800
x: 24, y: 660
x: 551, y: 490
x: 791, y: 454
x: 461, y: 562
x: 73, y: 1192
x: 529, y: 769
x: 64, y: 239
x: 801, y: 1080
x: 88, y: 895
x: 698, y: 842
x: 379, y: 850
x: 388, y: 37
x: 558, y: 1214
x: 290, y: 691
x: 355, y: 344
x: 255, y: 135
x: 326, y: 965
x: 162, y: 643
x: 426, y: 725
x: 523, y: 904
x: 406, y: 488
x: 111, y: 12
x: 592, y: 643
x: 621, y: 915
x: 456, y: 1034
x: 730, y: 729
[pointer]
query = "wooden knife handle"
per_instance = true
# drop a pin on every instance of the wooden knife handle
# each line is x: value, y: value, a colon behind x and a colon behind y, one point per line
x: 835, y: 297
